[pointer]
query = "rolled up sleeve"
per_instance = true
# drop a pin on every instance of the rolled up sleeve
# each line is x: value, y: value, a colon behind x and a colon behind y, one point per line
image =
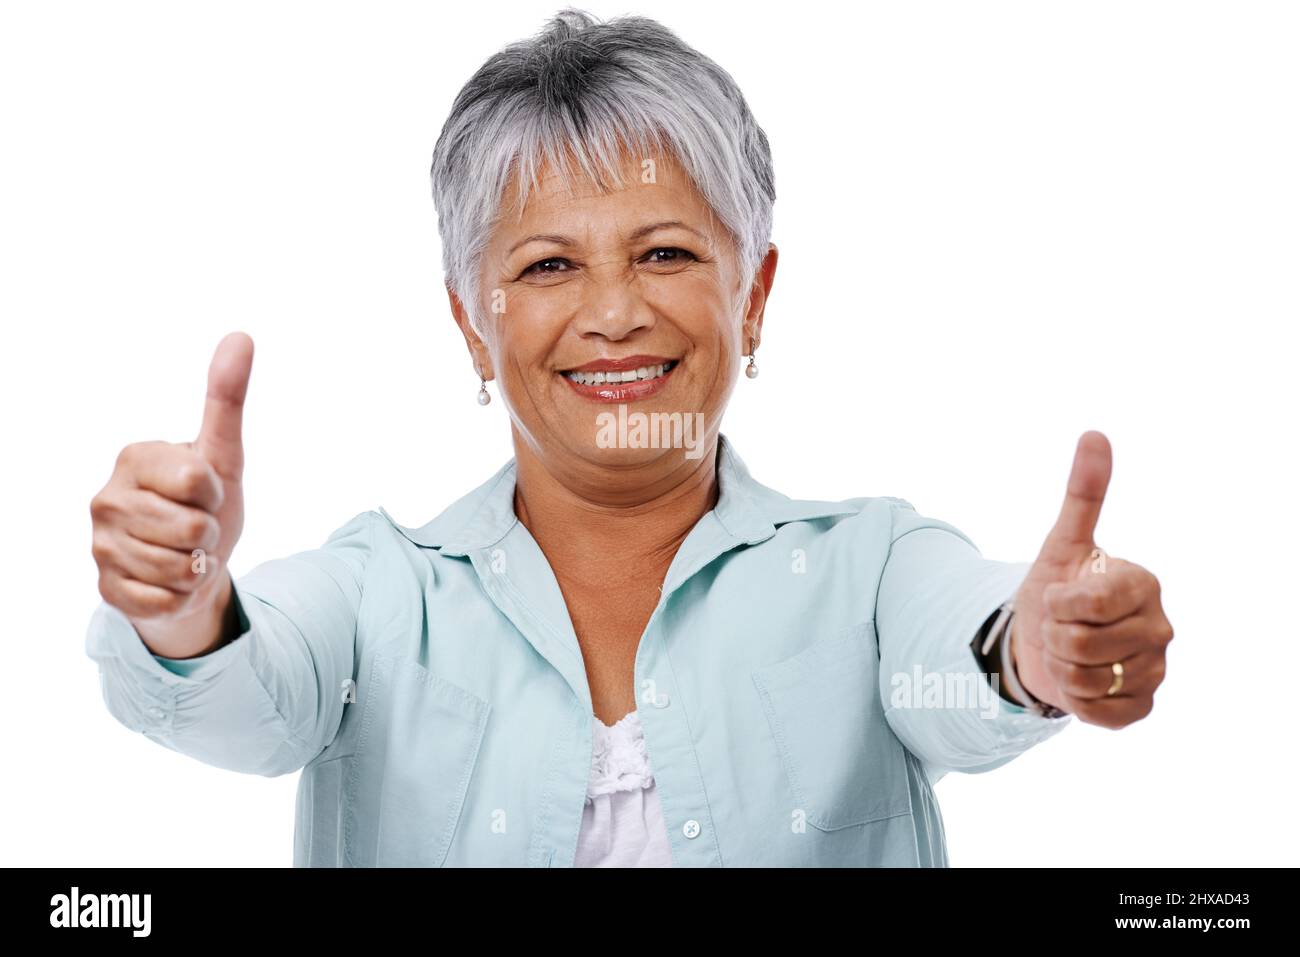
x: 935, y: 593
x: 270, y: 700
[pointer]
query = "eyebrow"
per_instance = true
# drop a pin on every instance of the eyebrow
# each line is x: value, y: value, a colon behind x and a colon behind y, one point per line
x: 635, y: 235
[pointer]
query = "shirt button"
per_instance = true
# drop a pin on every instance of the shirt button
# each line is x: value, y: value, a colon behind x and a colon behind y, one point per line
x: 156, y: 712
x: 661, y: 700
x: 691, y: 828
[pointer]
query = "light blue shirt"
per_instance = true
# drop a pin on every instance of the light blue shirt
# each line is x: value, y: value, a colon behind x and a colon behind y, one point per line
x: 805, y: 679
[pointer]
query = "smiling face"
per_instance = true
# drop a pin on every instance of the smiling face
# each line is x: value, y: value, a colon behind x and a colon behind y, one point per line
x: 594, y: 299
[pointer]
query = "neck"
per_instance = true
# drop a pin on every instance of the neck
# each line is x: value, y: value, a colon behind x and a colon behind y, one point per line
x: 597, y: 524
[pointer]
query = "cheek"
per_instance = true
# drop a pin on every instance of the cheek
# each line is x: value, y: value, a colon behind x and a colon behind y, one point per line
x: 524, y: 339
x: 695, y: 300
x: 702, y: 319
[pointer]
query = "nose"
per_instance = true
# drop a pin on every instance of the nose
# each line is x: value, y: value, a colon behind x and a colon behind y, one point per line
x: 613, y: 308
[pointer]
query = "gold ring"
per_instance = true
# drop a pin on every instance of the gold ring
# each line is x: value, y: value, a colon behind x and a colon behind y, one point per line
x: 1117, y: 670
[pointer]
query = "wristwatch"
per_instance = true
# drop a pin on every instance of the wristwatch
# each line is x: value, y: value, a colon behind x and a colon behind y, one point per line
x: 1000, y: 633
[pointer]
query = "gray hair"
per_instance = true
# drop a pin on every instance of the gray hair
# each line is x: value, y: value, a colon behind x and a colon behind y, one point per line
x: 582, y: 87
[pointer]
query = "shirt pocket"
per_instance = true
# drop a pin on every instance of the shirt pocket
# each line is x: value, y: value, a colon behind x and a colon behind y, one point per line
x: 844, y: 764
x: 416, y: 750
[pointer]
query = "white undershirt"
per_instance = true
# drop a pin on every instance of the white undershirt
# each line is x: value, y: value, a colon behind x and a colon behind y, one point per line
x: 622, y: 822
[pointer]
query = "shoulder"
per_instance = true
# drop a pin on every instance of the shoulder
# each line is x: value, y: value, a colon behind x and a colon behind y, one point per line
x: 878, y: 513
x: 752, y: 510
x: 875, y: 522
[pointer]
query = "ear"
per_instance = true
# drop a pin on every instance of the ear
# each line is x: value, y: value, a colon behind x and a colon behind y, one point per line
x: 752, y: 326
x: 477, y: 349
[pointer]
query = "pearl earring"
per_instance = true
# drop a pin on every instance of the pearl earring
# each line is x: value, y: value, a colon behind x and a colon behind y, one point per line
x: 483, y: 397
x: 751, y: 370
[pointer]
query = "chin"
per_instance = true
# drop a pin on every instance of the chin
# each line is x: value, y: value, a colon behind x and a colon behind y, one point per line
x: 635, y: 456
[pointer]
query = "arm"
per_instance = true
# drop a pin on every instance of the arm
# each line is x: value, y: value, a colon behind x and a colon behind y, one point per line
x: 243, y: 676
x: 268, y: 700
x: 936, y: 591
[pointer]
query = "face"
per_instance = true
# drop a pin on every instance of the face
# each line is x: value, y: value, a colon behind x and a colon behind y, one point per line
x: 594, y: 300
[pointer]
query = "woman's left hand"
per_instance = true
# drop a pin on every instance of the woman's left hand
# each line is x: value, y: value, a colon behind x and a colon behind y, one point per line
x: 1079, y: 611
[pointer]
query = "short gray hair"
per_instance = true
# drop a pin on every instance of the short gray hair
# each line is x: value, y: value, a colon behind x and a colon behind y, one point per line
x: 583, y: 87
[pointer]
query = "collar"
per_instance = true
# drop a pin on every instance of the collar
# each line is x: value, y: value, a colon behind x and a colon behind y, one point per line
x: 748, y: 511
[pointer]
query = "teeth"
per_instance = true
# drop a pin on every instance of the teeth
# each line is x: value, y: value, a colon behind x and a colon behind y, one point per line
x: 630, y: 375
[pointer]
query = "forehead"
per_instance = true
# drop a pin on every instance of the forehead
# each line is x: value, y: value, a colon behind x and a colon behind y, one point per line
x: 653, y: 184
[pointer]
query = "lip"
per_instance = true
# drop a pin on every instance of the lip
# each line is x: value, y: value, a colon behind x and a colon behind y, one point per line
x: 622, y: 391
x: 621, y: 365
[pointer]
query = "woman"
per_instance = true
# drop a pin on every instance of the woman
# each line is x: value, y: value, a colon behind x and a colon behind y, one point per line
x: 620, y: 648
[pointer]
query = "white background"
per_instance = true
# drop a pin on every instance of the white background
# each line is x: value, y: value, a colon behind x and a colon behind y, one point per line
x: 1000, y: 224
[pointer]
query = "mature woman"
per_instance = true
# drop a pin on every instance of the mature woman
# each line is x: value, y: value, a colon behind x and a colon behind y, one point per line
x: 620, y: 648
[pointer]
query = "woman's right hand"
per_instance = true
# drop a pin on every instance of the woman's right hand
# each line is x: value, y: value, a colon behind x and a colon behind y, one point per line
x: 168, y: 519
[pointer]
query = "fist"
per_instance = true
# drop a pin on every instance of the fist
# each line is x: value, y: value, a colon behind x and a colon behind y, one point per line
x: 165, y: 524
x: 1089, y: 633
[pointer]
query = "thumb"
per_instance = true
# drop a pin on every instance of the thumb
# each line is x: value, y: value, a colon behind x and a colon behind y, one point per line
x: 1073, y: 532
x: 220, y: 438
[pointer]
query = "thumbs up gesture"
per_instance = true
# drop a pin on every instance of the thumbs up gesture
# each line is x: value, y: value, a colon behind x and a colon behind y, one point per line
x: 167, y: 521
x: 1089, y: 633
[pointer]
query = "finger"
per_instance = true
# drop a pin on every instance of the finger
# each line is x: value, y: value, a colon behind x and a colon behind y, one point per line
x: 150, y: 517
x: 220, y: 438
x: 1116, y: 711
x: 1085, y: 644
x: 1099, y: 599
x: 180, y: 474
x: 161, y: 521
x: 140, y: 600
x: 171, y: 568
x: 1084, y: 493
x: 1140, y: 675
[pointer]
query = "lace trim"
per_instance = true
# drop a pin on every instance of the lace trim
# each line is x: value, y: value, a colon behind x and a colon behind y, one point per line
x: 618, y: 757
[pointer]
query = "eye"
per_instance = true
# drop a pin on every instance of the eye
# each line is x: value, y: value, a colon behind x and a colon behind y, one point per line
x: 676, y: 255
x: 543, y: 267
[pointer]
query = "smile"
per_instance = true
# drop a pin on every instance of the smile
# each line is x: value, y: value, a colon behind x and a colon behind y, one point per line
x: 620, y: 380
x: 615, y: 376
